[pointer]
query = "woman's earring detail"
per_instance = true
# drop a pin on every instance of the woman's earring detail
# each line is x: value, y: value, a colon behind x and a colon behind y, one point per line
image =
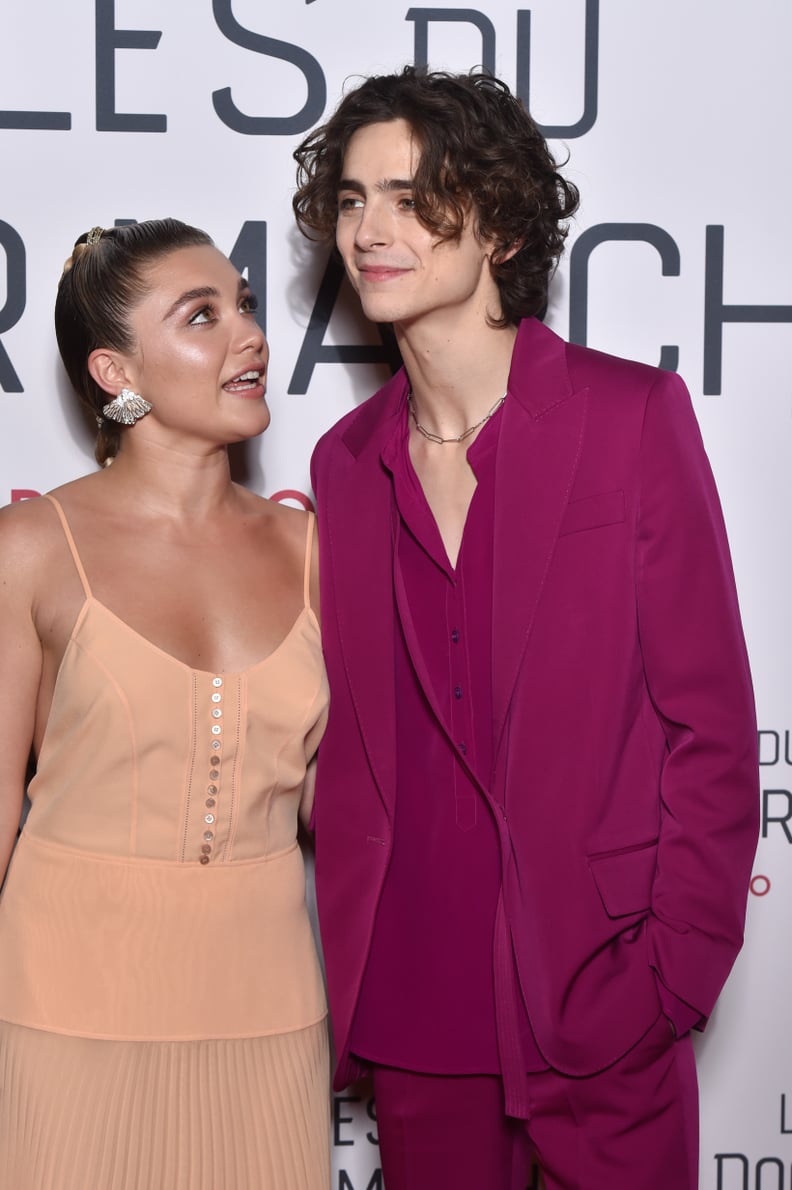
x: 126, y: 408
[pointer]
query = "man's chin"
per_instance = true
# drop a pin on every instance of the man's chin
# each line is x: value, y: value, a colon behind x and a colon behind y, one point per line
x: 381, y: 311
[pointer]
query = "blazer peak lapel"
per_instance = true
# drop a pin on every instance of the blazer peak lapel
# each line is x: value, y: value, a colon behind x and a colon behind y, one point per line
x: 537, y: 462
x: 360, y: 539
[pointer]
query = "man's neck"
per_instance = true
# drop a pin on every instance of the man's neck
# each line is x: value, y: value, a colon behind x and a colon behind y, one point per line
x: 455, y: 377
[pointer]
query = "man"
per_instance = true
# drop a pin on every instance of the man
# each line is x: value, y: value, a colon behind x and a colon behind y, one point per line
x: 536, y: 801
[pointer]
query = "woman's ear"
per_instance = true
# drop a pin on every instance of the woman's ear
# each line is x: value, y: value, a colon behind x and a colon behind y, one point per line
x: 109, y: 371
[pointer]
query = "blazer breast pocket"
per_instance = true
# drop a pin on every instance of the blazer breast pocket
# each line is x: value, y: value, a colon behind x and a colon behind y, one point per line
x: 593, y: 512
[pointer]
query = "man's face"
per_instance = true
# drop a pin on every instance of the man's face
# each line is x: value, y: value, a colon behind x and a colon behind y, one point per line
x: 401, y: 270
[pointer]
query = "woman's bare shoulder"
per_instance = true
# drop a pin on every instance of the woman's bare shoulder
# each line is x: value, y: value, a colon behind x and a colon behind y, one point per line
x: 30, y: 531
x: 24, y: 523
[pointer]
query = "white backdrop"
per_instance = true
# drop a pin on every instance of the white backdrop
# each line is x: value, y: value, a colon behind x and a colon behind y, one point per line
x: 677, y: 119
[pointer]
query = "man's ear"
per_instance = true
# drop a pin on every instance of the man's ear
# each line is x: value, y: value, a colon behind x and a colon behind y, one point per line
x: 506, y: 252
x: 109, y: 370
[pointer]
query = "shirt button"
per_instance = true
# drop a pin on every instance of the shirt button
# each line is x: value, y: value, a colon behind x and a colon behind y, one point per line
x: 208, y: 836
x: 457, y: 692
x: 211, y: 789
x: 463, y: 749
x: 216, y: 730
x: 206, y: 848
x: 216, y: 697
x: 215, y: 773
x: 209, y: 818
x: 217, y: 681
x: 210, y: 803
x: 204, y: 859
x: 216, y: 713
x: 455, y: 635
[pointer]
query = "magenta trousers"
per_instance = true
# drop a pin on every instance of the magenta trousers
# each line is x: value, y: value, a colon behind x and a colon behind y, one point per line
x: 632, y: 1127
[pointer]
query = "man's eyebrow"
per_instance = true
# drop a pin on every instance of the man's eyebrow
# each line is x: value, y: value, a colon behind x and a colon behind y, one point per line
x: 201, y: 291
x: 384, y: 185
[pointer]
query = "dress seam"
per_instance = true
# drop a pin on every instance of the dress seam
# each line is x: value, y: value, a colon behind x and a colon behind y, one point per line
x: 137, y: 1038
x: 190, y: 767
x: 141, y: 861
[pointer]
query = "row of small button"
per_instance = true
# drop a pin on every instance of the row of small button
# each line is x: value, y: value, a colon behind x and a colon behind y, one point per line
x: 458, y: 689
x: 213, y: 789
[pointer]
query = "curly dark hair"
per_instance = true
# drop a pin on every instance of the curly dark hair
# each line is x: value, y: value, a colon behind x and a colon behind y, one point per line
x: 102, y: 281
x: 479, y: 147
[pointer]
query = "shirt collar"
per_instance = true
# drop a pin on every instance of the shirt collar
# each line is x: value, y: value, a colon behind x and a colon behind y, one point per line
x: 481, y: 450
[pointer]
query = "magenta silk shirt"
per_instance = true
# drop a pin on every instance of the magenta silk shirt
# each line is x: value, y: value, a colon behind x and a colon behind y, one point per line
x: 427, y: 1001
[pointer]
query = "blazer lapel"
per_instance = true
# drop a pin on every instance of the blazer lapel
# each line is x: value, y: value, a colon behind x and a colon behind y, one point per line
x: 360, y: 527
x: 538, y: 453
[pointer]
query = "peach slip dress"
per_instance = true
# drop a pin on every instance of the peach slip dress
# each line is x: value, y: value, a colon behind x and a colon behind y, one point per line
x: 162, y: 1010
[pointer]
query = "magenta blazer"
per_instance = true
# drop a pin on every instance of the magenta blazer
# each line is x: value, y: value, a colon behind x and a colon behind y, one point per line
x: 625, y: 783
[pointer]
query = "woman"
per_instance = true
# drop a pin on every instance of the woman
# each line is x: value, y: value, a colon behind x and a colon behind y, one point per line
x: 162, y: 1015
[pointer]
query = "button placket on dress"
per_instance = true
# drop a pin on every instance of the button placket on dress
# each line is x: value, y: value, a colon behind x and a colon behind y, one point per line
x: 213, y: 780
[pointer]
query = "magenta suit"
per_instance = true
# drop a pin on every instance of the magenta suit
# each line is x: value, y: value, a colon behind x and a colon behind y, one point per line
x: 624, y: 783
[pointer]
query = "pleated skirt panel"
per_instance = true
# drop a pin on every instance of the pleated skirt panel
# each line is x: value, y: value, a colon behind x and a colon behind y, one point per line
x: 82, y: 1114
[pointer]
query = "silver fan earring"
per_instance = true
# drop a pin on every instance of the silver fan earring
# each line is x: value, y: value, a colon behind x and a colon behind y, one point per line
x: 126, y: 408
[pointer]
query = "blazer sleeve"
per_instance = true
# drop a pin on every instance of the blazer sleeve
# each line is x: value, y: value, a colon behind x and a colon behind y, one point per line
x: 697, y: 673
x: 316, y: 468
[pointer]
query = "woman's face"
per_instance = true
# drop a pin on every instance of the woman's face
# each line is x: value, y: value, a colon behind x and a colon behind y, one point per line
x: 200, y: 357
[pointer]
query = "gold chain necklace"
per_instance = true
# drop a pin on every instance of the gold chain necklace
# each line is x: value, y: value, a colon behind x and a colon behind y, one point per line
x: 430, y: 437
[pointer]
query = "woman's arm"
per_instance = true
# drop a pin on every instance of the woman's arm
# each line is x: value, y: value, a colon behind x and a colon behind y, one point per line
x: 20, y: 669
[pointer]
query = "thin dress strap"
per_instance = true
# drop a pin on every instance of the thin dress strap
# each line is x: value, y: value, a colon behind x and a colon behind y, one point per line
x: 72, y: 546
x: 308, y: 552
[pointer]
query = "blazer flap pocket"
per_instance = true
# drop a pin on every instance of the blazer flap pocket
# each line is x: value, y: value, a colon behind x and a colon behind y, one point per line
x: 624, y: 879
x: 592, y: 512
